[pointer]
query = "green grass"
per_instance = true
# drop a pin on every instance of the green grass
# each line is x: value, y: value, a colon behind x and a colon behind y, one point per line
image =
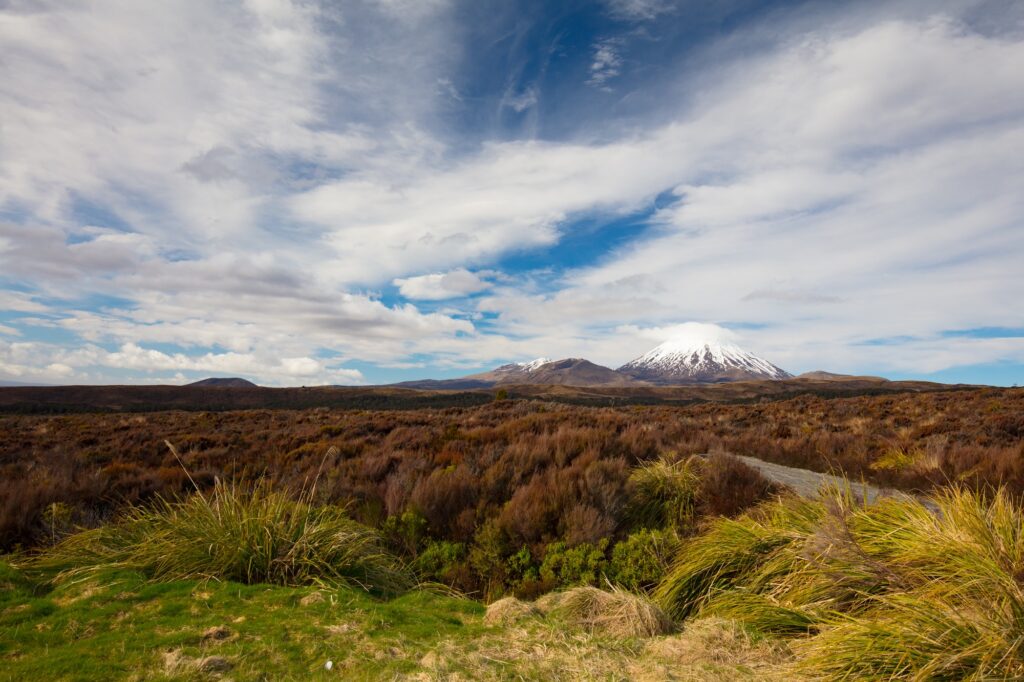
x: 119, y: 625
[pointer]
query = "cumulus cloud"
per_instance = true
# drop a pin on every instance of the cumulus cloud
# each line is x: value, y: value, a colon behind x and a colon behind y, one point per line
x: 36, y: 361
x: 439, y: 286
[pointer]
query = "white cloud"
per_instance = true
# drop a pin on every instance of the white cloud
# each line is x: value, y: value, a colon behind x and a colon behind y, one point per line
x: 36, y: 361
x: 639, y: 10
x: 606, y: 63
x: 857, y: 181
x: 442, y: 285
x: 520, y: 101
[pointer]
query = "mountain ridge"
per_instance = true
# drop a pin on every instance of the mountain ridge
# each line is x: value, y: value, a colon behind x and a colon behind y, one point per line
x: 675, y: 362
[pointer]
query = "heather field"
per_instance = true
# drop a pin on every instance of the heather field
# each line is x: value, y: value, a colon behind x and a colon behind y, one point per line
x: 467, y: 489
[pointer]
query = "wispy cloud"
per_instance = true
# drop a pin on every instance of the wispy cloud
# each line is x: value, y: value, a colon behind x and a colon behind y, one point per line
x: 639, y: 10
x: 606, y: 62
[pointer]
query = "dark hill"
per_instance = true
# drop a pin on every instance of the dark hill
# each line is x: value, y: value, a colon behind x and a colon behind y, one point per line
x: 224, y: 382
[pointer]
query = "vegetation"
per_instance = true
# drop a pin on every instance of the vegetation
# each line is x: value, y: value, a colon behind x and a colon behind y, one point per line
x: 896, y: 589
x: 605, y: 546
x: 121, y: 626
x: 615, y: 612
x: 830, y: 588
x: 567, y: 467
x: 251, y: 537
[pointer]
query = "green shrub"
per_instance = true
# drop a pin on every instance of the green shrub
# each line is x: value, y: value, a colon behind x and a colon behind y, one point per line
x: 639, y: 562
x: 257, y: 536
x: 487, y: 558
x: 439, y: 560
x: 521, y: 567
x: 405, y: 532
x: 584, y: 564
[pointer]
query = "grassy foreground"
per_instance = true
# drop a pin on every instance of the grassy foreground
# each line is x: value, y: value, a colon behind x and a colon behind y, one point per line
x: 123, y: 626
x: 253, y: 585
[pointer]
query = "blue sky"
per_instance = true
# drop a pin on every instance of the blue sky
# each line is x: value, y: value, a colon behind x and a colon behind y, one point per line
x: 378, y: 190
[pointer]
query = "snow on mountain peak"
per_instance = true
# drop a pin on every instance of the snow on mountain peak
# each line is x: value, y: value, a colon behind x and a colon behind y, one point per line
x: 696, y: 358
x: 519, y: 367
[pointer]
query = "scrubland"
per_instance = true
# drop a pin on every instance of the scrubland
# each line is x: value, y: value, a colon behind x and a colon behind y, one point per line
x: 605, y: 550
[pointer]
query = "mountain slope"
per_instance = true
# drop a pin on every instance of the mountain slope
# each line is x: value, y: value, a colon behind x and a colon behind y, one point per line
x: 566, y: 372
x: 696, y: 361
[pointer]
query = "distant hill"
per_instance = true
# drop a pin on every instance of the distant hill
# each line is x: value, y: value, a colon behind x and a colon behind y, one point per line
x: 542, y: 371
x: 224, y: 382
x: 820, y: 375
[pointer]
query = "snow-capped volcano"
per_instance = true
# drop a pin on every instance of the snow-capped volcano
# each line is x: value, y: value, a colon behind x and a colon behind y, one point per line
x: 690, y: 360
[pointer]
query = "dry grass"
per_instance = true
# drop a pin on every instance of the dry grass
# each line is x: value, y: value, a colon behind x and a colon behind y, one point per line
x: 715, y: 649
x: 509, y: 610
x: 708, y: 650
x: 617, y: 613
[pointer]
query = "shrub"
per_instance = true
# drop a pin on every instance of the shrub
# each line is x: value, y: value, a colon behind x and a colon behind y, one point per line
x: 639, y: 562
x: 521, y: 567
x: 583, y: 564
x: 406, y: 532
x: 487, y: 557
x: 259, y: 536
x: 439, y: 561
x: 729, y: 487
x: 442, y: 496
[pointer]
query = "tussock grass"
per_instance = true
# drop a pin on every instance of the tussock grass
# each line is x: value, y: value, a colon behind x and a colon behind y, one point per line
x: 253, y: 536
x: 614, y: 612
x: 735, y: 553
x: 890, y: 590
x: 664, y: 493
x: 508, y: 610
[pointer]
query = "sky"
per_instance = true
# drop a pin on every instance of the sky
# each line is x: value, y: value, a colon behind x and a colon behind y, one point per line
x: 371, y: 191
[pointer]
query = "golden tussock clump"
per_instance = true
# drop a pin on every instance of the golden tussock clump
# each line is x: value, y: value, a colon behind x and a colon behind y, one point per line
x: 616, y: 612
x: 509, y: 610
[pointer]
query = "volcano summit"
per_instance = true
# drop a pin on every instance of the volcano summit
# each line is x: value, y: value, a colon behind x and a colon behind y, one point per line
x: 697, y: 361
